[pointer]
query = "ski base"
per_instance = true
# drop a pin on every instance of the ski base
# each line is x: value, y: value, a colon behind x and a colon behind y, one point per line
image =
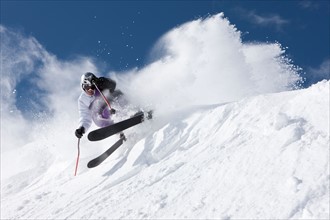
x: 98, y: 160
x: 110, y: 130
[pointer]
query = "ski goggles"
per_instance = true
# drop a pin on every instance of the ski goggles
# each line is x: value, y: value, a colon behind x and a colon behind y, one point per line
x: 87, y: 87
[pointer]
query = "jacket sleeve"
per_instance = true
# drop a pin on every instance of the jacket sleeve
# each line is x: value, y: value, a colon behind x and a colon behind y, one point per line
x: 106, y: 83
x: 85, y: 118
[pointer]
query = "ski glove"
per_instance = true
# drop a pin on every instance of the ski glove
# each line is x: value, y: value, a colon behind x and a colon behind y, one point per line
x: 80, y: 131
x: 113, y: 111
x: 95, y: 80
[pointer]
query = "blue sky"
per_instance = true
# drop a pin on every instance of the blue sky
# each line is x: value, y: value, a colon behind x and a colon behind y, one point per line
x: 120, y: 34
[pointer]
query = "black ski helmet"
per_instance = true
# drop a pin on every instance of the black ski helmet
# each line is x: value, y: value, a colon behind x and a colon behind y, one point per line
x: 86, y: 80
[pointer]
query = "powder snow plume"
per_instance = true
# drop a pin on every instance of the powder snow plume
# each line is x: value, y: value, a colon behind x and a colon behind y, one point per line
x: 205, y: 62
x: 201, y: 62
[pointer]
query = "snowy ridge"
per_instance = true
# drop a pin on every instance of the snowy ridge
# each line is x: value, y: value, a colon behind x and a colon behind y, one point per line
x: 264, y: 157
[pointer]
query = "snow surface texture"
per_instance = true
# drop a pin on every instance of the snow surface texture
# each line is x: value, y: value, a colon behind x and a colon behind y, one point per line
x: 227, y: 140
x: 263, y: 157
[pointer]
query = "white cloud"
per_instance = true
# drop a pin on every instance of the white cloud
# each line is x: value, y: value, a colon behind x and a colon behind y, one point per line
x: 308, y: 4
x: 321, y: 72
x: 270, y: 20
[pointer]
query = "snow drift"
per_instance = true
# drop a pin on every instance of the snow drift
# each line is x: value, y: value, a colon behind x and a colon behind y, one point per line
x: 264, y: 157
x: 228, y: 140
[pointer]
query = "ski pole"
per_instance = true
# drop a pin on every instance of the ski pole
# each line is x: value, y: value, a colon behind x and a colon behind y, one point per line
x: 75, y: 172
x: 105, y: 99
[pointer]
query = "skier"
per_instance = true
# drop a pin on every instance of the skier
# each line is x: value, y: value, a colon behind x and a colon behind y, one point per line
x: 93, y: 102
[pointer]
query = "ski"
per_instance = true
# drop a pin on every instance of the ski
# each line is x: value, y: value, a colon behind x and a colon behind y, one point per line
x: 98, y: 160
x: 105, y: 132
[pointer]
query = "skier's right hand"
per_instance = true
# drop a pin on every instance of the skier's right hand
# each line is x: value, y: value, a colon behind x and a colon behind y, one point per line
x: 80, y: 132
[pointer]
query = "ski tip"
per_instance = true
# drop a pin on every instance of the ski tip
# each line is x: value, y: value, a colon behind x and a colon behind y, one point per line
x: 89, y: 137
x: 92, y: 137
x: 91, y: 164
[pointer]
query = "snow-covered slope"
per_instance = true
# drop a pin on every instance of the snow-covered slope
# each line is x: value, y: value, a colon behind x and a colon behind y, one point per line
x: 264, y: 157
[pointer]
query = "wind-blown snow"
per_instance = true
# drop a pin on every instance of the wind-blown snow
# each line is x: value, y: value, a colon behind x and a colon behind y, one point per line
x: 228, y: 140
x: 206, y: 62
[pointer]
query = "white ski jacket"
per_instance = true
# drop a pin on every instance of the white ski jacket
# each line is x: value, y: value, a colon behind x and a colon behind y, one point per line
x: 85, y: 114
x: 89, y: 109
